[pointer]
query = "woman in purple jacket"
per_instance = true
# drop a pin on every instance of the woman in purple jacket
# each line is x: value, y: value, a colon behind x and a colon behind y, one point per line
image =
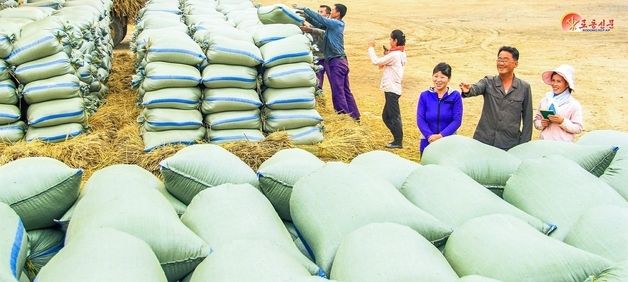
x: 439, y: 112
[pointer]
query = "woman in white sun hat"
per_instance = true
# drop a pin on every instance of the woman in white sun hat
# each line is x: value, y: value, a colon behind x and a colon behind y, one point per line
x: 559, y: 116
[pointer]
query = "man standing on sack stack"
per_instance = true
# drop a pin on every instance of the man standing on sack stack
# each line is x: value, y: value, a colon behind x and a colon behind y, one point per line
x: 319, y: 35
x: 336, y: 64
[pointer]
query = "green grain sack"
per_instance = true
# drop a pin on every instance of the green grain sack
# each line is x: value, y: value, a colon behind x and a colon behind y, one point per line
x: 595, y: 159
x: 39, y: 189
x: 233, y: 135
x: 160, y: 75
x: 234, y: 120
x: 4, y: 70
x: 229, y: 76
x: 153, y: 140
x: 12, y: 132
x: 291, y: 98
x: 248, y: 216
x: 279, y: 173
x: 293, y: 49
x: 276, y: 120
x: 506, y: 248
x: 202, y: 166
x: 88, y: 258
x: 602, y: 230
x: 616, y: 175
x: 249, y: 260
x: 60, y: 87
x: 136, y: 175
x: 13, y: 244
x: 308, y: 135
x: 343, y: 199
x: 559, y: 191
x: 172, y: 98
x: 9, y: 114
x: 171, y: 119
x: 385, y: 165
x: 51, y: 66
x: 55, y: 133
x: 290, y: 76
x: 142, y: 174
x: 161, y: 7
x: 35, y: 46
x: 121, y: 198
x: 162, y: 21
x: 224, y: 50
x: 174, y: 47
x: 195, y: 8
x: 453, y: 197
x: 279, y: 14
x: 44, y: 244
x: 9, y: 28
x: 55, y: 4
x: 389, y: 252
x: 7, y: 92
x: 229, y: 99
x: 31, y: 13
x: 271, y: 32
x: 56, y: 112
x: 486, y: 164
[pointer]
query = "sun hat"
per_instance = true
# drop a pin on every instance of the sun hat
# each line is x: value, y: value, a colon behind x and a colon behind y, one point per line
x: 566, y: 71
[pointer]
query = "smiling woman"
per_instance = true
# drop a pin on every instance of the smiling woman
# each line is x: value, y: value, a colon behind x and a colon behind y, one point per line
x: 565, y: 120
x: 439, y: 112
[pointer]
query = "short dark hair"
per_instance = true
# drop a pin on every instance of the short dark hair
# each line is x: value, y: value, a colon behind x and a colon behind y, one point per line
x: 327, y: 8
x: 444, y: 68
x: 512, y: 50
x: 399, y: 36
x: 342, y: 9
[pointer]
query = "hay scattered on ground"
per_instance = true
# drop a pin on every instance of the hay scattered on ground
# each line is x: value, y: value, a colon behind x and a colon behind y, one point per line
x: 114, y: 135
x: 255, y: 153
x: 128, y: 8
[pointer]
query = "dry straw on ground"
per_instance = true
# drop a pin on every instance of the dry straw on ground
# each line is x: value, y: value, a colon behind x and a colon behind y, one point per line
x: 114, y: 135
x: 128, y: 8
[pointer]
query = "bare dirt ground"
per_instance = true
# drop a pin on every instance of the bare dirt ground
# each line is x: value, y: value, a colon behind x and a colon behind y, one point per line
x: 467, y: 35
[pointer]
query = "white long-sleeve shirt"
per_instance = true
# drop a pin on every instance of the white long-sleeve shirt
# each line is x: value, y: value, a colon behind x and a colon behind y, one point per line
x: 393, y: 64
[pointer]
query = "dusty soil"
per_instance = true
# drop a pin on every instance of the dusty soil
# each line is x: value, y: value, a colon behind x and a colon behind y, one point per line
x: 468, y: 34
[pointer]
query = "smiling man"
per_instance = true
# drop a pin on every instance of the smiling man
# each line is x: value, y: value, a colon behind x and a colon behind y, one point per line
x: 506, y: 119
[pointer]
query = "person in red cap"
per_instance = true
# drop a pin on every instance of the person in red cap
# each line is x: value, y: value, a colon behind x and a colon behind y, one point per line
x: 559, y: 116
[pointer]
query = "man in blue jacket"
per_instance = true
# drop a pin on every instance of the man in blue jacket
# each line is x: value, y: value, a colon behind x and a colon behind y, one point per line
x: 335, y: 57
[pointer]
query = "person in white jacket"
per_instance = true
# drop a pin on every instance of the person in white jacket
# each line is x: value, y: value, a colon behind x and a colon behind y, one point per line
x: 564, y: 113
x: 392, y: 63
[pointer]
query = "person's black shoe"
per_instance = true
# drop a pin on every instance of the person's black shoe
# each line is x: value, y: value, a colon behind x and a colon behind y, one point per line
x: 393, y: 145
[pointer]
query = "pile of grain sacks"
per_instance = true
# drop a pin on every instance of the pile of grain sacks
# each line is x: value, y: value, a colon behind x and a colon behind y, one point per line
x: 249, y: 86
x: 58, y: 62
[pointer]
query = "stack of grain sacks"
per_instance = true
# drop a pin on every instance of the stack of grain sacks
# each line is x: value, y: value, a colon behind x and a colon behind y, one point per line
x: 12, y: 20
x: 230, y: 99
x: 5, y: 4
x: 289, y: 83
x: 51, y: 60
x: 168, y: 77
x: 95, y: 54
x: 55, y: 4
x: 50, y: 87
x: 11, y: 127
